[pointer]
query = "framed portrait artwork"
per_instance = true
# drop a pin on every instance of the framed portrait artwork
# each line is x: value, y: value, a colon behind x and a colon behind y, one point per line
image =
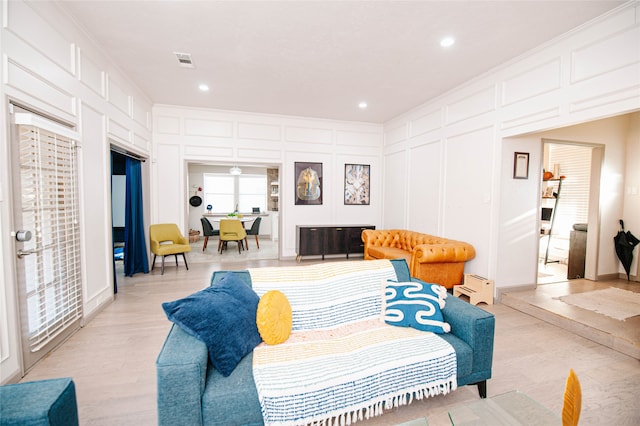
x: 357, y: 184
x: 521, y: 165
x: 308, y: 183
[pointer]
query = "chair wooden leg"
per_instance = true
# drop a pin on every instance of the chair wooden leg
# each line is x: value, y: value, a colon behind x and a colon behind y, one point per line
x: 176, y: 256
x: 257, y: 242
x: 185, y: 261
x: 204, y: 246
x: 153, y: 264
x: 246, y: 244
x: 239, y: 245
x: 162, y: 273
x: 220, y: 246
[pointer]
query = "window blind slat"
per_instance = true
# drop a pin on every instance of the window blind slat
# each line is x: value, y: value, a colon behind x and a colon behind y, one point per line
x: 573, y: 206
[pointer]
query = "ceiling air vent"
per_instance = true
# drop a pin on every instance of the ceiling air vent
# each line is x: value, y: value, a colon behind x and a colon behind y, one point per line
x: 184, y: 59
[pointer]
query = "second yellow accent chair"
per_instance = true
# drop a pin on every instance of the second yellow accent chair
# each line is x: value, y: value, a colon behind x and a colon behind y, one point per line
x: 165, y: 239
x: 231, y: 230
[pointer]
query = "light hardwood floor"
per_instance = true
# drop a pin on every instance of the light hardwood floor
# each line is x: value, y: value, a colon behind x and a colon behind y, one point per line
x: 112, y: 359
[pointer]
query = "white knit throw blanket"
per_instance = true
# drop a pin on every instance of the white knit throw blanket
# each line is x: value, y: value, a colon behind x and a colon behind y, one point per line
x: 347, y: 364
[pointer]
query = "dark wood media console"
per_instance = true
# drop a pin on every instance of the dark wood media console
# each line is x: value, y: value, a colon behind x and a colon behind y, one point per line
x: 329, y: 239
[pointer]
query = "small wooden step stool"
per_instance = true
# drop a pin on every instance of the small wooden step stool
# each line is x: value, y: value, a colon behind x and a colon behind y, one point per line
x: 477, y: 288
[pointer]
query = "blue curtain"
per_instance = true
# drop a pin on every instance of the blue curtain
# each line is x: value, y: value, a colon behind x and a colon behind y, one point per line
x: 135, y: 247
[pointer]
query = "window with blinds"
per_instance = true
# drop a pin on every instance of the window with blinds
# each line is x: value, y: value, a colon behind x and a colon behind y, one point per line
x: 50, y: 269
x: 226, y: 193
x: 574, y: 162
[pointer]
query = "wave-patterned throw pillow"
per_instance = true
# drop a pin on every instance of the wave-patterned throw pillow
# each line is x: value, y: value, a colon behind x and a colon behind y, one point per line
x: 415, y: 304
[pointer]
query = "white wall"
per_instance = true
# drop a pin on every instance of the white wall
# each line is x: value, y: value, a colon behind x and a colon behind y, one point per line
x: 631, y: 208
x: 51, y: 66
x: 449, y: 169
x: 182, y: 135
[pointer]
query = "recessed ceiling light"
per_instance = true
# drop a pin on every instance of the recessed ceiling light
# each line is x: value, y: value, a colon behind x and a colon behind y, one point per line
x: 447, y: 42
x: 363, y: 105
x: 203, y: 87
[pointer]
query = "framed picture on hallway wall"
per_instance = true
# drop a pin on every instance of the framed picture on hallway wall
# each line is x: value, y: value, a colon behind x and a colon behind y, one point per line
x: 356, y: 184
x: 308, y: 183
x: 521, y: 165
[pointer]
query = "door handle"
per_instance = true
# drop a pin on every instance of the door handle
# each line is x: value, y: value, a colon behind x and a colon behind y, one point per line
x: 22, y: 253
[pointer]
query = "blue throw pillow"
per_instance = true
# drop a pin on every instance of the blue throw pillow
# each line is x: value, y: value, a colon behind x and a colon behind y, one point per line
x: 223, y: 316
x: 415, y: 304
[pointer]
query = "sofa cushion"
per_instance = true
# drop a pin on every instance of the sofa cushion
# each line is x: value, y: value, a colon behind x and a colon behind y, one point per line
x: 274, y: 317
x: 415, y: 304
x: 389, y: 253
x: 223, y: 316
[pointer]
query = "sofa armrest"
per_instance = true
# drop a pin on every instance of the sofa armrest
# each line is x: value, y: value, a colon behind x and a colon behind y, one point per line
x: 475, y: 326
x: 181, y: 370
x: 455, y: 251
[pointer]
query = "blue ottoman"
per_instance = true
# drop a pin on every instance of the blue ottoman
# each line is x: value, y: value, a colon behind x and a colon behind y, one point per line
x: 40, y: 403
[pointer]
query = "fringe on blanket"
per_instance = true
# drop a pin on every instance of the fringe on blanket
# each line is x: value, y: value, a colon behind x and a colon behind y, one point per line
x: 377, y: 407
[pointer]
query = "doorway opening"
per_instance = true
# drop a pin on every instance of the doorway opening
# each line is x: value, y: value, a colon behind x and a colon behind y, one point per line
x: 569, y: 200
x: 129, y: 250
x: 250, y: 191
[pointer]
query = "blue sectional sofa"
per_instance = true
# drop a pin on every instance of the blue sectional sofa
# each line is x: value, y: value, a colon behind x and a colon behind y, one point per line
x: 191, y: 392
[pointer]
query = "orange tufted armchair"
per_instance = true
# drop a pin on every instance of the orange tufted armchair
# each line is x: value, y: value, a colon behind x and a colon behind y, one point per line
x: 431, y: 259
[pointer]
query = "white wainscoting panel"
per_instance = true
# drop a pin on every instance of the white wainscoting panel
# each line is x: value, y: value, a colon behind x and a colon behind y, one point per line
x: 140, y: 141
x: 308, y: 135
x: 35, y: 30
x: 167, y: 125
x: 529, y: 117
x: 606, y: 55
x: 212, y: 128
x: 40, y: 88
x: 117, y: 97
x: 468, y: 192
x: 120, y: 131
x: 168, y: 185
x: 90, y: 74
x: 600, y: 91
x: 424, y: 193
x: 347, y: 138
x: 140, y: 114
x: 472, y: 105
x: 204, y: 152
x: 425, y: 123
x: 259, y: 131
x: 95, y: 186
x: 259, y: 154
x: 533, y: 82
x: 395, y: 190
x: 395, y: 135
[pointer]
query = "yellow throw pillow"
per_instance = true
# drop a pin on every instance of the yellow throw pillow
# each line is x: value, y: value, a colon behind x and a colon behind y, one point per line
x: 273, y: 317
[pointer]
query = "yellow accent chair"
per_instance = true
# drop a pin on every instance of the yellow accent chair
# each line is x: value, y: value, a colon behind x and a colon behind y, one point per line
x: 166, y: 240
x: 572, y: 404
x: 231, y: 230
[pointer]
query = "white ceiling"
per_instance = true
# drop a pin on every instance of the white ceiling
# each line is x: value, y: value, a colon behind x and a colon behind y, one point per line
x: 319, y: 58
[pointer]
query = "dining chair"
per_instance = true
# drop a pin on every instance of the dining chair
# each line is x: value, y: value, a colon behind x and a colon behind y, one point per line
x: 231, y: 230
x: 165, y: 240
x: 255, y: 229
x: 207, y: 231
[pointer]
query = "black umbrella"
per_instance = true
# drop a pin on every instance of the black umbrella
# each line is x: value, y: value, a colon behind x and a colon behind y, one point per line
x: 625, y: 243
